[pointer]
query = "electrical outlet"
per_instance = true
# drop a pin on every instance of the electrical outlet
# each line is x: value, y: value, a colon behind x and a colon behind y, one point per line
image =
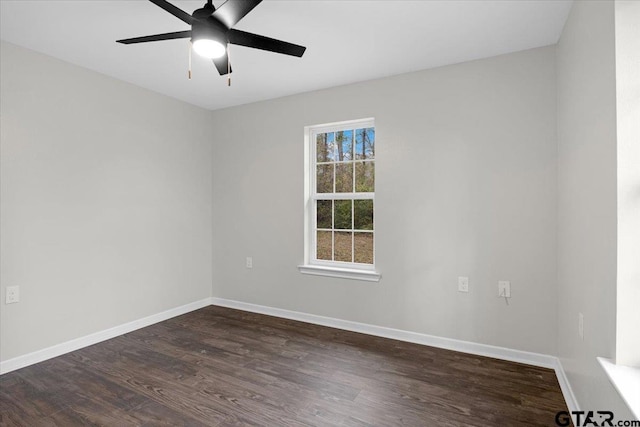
x: 249, y: 262
x: 581, y: 326
x: 13, y: 294
x: 504, y: 289
x: 463, y: 284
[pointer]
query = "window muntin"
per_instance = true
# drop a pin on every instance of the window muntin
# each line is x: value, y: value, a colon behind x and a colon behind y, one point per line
x: 342, y: 194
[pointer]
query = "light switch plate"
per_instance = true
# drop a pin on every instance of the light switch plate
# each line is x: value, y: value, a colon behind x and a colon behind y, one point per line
x: 504, y: 289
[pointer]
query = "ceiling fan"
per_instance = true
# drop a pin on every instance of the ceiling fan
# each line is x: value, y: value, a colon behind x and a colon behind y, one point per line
x: 211, y: 31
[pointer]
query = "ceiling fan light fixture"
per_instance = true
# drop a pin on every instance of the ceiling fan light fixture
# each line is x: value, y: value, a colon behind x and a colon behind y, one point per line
x: 209, y: 48
x: 212, y: 31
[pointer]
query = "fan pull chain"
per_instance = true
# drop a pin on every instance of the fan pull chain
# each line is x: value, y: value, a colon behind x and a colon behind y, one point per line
x: 228, y: 66
x: 190, y: 48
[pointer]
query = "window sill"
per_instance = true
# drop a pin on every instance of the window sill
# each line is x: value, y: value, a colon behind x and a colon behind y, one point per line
x: 626, y: 380
x: 343, y: 273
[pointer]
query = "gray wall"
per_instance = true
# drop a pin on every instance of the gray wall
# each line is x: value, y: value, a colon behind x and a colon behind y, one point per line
x: 587, y: 201
x: 466, y: 185
x: 106, y: 202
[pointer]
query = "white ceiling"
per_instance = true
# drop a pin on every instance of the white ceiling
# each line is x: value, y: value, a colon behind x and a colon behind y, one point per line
x: 347, y: 41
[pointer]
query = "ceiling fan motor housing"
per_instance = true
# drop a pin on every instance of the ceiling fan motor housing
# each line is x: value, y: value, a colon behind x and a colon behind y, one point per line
x: 209, y: 29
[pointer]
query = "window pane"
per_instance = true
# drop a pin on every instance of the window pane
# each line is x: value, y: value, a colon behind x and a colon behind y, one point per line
x: 344, y: 145
x: 342, y: 250
x: 323, y: 214
x: 365, y: 177
x: 326, y: 149
x: 322, y: 155
x: 363, y: 214
x: 363, y: 248
x: 342, y: 214
x: 323, y: 245
x: 324, y: 179
x: 344, y: 177
x: 365, y: 143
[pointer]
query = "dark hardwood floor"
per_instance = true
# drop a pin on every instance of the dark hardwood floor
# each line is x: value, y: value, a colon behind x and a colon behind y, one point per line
x: 223, y: 367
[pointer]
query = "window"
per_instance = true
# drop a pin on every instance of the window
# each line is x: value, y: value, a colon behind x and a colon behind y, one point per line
x: 339, y: 219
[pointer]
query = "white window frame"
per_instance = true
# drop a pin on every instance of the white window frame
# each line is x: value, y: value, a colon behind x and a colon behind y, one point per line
x: 347, y: 270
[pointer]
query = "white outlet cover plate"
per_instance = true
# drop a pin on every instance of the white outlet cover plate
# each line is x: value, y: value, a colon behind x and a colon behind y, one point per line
x: 581, y: 326
x: 463, y: 284
x: 12, y: 295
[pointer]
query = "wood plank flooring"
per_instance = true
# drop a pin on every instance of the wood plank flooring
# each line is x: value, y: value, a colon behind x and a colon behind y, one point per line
x: 223, y: 367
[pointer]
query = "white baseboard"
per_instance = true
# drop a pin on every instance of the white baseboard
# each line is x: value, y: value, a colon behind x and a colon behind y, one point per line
x: 565, y: 386
x: 78, y: 343
x: 535, y: 359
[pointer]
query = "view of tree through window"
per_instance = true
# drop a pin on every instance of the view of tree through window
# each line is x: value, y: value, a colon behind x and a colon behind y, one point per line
x: 344, y: 188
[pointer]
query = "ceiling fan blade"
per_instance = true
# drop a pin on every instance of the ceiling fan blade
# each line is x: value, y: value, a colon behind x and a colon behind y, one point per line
x: 233, y: 11
x: 256, y: 41
x: 157, y: 37
x: 175, y: 11
x: 222, y: 64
